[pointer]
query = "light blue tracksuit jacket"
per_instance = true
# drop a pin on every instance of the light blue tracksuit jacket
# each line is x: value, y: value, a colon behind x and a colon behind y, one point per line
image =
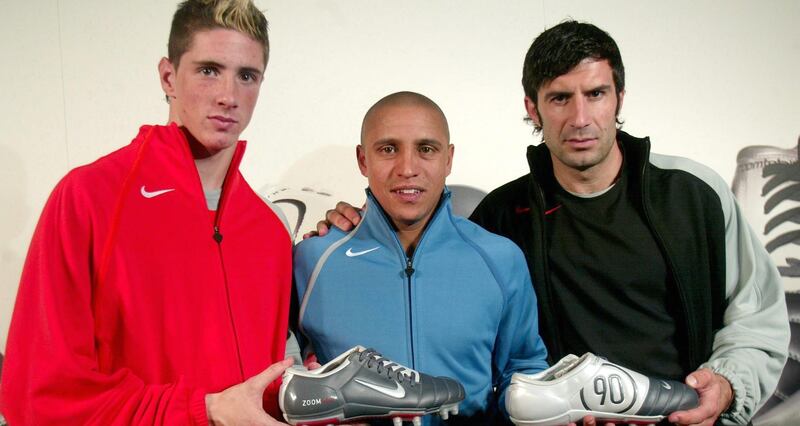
x: 462, y: 306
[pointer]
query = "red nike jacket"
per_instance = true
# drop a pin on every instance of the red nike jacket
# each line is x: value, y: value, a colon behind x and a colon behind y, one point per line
x: 135, y: 301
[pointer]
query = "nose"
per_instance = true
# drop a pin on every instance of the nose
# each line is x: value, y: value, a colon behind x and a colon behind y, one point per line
x: 580, y: 113
x: 227, y: 96
x: 406, y: 165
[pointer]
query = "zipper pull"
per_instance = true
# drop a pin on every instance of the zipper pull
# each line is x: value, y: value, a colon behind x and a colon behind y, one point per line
x: 409, y: 268
x: 217, y: 235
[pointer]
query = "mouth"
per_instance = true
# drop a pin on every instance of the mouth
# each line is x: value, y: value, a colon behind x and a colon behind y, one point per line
x: 408, y: 194
x: 223, y: 119
x: 222, y: 122
x: 580, y: 142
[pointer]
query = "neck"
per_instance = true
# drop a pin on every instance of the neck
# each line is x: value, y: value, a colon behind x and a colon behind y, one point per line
x: 212, y: 166
x: 409, y: 233
x: 212, y: 170
x: 409, y: 238
x: 591, y: 180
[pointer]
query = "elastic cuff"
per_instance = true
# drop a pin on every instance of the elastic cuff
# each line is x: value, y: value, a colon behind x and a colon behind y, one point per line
x: 736, y: 411
x: 197, y: 407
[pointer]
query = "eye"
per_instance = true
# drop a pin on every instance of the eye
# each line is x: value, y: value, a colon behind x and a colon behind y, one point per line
x: 427, y: 149
x: 596, y: 93
x: 248, y: 77
x: 387, y: 149
x: 208, y: 71
x: 559, y: 99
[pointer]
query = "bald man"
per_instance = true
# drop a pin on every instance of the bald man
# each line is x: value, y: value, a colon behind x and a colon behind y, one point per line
x: 428, y: 289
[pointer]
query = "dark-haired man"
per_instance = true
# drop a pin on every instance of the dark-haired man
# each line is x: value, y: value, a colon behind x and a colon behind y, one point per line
x: 156, y: 289
x: 641, y: 258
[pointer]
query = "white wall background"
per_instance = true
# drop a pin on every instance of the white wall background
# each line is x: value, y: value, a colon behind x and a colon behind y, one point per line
x: 704, y: 79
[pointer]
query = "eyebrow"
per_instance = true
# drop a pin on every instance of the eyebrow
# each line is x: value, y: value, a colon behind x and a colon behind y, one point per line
x: 556, y: 93
x: 422, y: 141
x: 600, y: 88
x: 251, y: 70
x: 215, y: 64
x: 568, y: 94
x: 208, y: 64
x: 427, y: 141
x: 385, y: 141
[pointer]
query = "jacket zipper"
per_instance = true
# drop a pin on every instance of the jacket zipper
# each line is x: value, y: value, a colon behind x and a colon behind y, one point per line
x: 410, y: 271
x: 537, y: 213
x: 217, y: 235
x: 409, y: 265
x: 690, y: 329
x: 548, y: 287
x: 218, y: 238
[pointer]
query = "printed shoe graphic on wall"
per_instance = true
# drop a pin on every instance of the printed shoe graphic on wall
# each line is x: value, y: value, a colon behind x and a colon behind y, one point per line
x: 767, y: 186
x: 592, y: 386
x: 362, y: 385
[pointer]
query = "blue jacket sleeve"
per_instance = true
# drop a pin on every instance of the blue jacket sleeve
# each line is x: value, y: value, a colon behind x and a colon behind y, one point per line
x: 518, y: 347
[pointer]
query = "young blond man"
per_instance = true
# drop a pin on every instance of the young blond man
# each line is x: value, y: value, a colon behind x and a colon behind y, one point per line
x: 156, y: 288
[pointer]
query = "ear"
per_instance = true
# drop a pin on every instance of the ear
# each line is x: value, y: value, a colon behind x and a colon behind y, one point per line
x: 450, y: 151
x: 362, y: 160
x: 166, y: 74
x: 619, y: 102
x: 530, y: 107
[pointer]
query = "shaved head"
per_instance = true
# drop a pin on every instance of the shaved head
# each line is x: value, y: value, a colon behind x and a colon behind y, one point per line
x: 403, y: 99
x: 405, y: 153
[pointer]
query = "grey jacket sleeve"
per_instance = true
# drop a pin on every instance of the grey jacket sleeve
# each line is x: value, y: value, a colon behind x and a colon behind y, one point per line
x: 751, y: 348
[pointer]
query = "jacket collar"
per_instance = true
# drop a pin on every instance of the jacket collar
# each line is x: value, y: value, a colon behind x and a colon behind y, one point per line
x: 379, y: 222
x: 636, y: 151
x: 171, y: 142
x: 168, y: 144
x: 184, y: 146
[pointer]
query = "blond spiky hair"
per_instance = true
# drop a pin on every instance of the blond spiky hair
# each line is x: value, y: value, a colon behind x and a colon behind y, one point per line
x: 200, y: 15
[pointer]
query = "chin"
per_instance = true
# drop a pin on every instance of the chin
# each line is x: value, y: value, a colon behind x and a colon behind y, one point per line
x: 410, y: 219
x: 216, y: 145
x: 399, y: 216
x: 582, y: 163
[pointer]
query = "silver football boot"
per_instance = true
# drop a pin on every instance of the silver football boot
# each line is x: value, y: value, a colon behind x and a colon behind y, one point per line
x: 360, y: 385
x: 590, y: 385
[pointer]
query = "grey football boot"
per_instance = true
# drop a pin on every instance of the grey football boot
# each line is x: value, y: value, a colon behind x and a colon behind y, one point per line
x: 590, y: 385
x: 359, y: 385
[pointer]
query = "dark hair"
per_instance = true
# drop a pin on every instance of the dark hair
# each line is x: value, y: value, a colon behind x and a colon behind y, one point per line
x: 193, y: 16
x: 561, y: 48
